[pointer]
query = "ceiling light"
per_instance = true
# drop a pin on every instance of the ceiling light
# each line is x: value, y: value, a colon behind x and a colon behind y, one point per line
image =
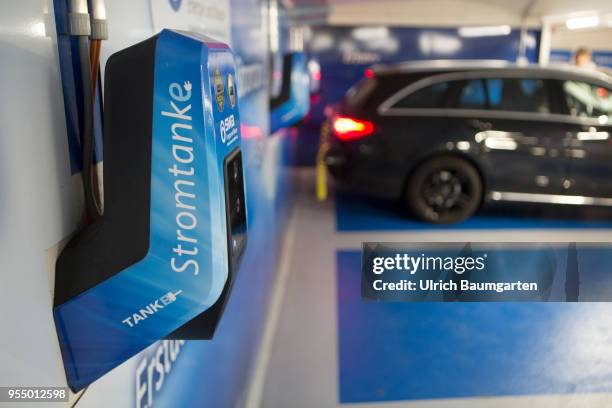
x: 484, y: 31
x: 370, y: 33
x: 576, y: 23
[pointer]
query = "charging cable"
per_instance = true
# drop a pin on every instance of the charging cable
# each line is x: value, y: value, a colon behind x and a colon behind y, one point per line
x: 99, y: 32
x: 80, y: 27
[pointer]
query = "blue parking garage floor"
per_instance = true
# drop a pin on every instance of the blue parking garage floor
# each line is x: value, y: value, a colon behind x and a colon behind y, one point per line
x: 327, y: 348
x: 358, y: 213
x: 411, y: 351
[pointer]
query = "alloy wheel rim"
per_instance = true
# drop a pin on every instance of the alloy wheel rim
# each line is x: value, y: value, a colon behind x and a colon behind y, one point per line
x: 446, y: 191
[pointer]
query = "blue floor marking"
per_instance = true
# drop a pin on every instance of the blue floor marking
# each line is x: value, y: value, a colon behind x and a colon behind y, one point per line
x: 408, y: 351
x: 358, y: 213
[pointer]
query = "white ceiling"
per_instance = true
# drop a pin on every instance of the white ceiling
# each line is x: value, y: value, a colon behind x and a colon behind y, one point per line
x: 444, y: 12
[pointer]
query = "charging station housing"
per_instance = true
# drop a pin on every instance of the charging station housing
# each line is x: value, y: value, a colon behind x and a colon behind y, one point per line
x: 161, y: 261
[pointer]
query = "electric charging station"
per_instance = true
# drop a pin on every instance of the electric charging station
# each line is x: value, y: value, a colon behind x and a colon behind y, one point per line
x: 292, y: 103
x: 161, y: 260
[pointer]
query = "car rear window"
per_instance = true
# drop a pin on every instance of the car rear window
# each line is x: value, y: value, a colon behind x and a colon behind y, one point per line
x: 432, y: 96
x: 358, y: 94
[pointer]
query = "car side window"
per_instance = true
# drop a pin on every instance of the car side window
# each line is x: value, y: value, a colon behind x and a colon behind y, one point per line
x: 472, y: 95
x: 432, y: 96
x: 518, y: 95
x: 588, y: 100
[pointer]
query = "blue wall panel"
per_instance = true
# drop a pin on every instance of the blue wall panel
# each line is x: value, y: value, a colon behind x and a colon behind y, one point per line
x: 600, y: 57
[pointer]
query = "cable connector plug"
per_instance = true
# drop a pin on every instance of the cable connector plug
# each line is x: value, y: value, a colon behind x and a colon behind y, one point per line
x: 99, y: 29
x: 78, y: 18
x: 78, y: 24
x: 99, y: 26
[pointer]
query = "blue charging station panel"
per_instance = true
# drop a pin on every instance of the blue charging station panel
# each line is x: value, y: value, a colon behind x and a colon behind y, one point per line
x: 194, y: 227
x: 294, y: 100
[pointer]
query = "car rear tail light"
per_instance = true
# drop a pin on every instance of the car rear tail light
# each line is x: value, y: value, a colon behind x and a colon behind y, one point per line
x: 346, y: 128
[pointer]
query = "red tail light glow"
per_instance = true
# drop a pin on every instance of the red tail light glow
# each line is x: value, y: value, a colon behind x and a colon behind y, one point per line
x: 602, y: 92
x: 346, y: 128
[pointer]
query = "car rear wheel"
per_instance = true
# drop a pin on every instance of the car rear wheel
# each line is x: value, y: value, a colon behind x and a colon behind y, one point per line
x: 443, y: 190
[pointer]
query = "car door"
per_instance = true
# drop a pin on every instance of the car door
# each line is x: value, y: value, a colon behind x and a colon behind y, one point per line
x: 413, y: 123
x: 589, y: 142
x: 521, y: 147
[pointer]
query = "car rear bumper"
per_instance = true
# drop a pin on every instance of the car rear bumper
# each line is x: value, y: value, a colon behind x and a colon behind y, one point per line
x: 357, y: 175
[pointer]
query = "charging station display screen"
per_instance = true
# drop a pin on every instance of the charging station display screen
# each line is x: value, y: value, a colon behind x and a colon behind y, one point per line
x: 235, y: 207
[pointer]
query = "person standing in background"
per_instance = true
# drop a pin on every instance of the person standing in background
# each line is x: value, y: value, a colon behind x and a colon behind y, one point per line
x: 583, y: 58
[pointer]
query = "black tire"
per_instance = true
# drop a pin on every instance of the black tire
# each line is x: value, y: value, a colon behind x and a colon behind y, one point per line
x: 443, y: 190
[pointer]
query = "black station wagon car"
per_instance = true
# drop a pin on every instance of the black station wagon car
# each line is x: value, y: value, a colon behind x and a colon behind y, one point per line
x: 445, y: 137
